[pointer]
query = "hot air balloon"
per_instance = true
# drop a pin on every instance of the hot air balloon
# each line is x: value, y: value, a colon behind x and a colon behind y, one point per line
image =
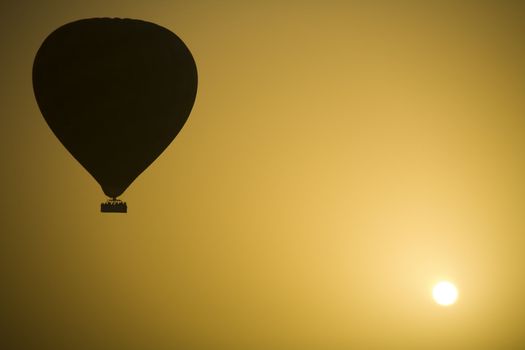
x: 115, y: 92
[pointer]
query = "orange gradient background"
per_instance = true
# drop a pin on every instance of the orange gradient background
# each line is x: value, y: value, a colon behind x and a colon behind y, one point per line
x: 340, y: 159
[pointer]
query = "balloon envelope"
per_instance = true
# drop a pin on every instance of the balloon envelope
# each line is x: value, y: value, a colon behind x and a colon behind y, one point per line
x: 115, y: 92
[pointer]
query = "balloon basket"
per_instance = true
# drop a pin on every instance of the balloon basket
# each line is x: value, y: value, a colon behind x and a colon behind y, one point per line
x: 114, y: 206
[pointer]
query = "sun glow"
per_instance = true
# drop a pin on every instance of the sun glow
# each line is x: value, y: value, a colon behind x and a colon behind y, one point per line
x: 445, y: 293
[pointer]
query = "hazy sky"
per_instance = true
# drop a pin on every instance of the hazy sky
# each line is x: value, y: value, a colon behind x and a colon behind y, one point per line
x: 341, y: 158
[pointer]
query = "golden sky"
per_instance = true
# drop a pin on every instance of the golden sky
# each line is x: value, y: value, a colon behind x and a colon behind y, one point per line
x: 340, y: 159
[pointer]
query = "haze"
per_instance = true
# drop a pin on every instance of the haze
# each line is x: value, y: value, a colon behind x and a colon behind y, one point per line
x: 341, y: 159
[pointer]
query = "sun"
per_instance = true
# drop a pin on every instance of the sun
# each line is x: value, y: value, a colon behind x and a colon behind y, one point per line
x: 445, y: 293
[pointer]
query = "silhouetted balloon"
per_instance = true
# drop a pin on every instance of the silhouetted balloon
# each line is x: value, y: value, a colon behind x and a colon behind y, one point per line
x: 115, y: 92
